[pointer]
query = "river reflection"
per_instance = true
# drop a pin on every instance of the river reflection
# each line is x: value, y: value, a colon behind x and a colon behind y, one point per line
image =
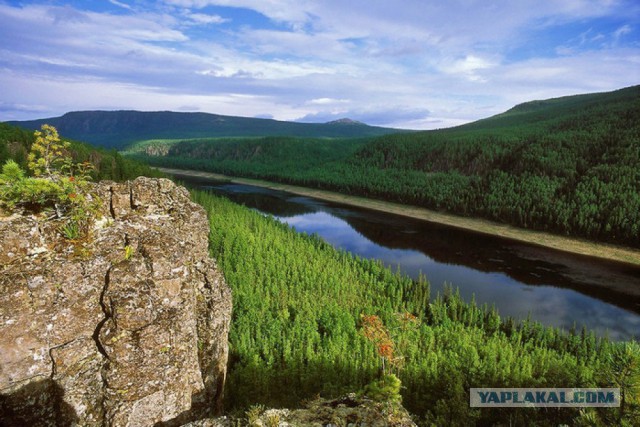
x: 552, y: 287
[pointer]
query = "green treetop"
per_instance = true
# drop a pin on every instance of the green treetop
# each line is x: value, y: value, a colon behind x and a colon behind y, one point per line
x: 48, y: 154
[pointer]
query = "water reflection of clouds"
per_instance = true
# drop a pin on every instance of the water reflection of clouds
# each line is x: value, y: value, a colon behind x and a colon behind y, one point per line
x: 340, y: 234
x: 567, y: 307
x: 333, y: 230
x: 550, y: 305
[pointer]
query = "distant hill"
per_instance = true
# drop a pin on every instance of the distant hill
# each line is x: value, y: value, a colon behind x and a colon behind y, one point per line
x: 117, y: 129
x: 544, y: 114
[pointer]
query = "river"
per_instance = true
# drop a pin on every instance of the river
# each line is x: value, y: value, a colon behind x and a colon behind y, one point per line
x: 552, y: 287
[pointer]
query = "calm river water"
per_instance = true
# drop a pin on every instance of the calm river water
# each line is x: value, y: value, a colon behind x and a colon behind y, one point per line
x: 552, y: 287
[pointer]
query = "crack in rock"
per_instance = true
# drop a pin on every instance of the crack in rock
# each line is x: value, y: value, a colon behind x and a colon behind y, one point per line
x: 107, y: 315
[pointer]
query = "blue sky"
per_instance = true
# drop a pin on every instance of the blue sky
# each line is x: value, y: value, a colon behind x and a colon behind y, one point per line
x: 418, y: 64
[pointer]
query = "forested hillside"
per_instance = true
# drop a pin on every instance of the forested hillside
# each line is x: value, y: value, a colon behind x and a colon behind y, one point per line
x: 276, y: 157
x: 569, y: 166
x: 15, y: 143
x: 297, y: 330
x: 117, y: 129
x: 297, y: 323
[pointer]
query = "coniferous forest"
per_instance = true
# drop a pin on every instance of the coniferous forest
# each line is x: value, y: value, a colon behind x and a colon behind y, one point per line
x: 297, y: 332
x: 302, y: 308
x: 421, y: 213
x: 569, y: 166
x: 15, y: 144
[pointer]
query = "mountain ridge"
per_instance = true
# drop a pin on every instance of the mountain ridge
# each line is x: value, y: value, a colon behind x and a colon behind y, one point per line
x: 117, y: 129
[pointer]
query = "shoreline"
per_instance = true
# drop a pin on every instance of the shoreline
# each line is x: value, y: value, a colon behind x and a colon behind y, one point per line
x: 566, y: 244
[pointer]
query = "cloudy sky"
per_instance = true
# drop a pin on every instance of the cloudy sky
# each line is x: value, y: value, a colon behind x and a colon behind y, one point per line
x: 418, y: 64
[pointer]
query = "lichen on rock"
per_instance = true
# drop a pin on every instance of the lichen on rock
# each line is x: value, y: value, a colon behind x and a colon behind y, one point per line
x: 350, y: 410
x: 126, y: 328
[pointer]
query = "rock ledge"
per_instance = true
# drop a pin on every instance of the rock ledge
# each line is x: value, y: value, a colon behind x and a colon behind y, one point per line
x: 128, y: 328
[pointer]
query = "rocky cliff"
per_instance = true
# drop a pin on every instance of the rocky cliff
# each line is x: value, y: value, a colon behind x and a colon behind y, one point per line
x: 126, y: 328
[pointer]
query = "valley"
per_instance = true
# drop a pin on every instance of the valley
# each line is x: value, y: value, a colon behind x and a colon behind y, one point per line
x: 319, y: 213
x: 547, y: 240
x: 567, y: 166
x: 519, y: 279
x: 500, y: 252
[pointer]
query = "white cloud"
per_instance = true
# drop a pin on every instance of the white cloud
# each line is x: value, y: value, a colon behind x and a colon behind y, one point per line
x: 94, y: 93
x: 622, y: 31
x: 282, y: 10
x: 434, y: 63
x: 244, y: 68
x: 120, y: 4
x: 327, y: 101
x: 203, y: 18
x: 470, y: 67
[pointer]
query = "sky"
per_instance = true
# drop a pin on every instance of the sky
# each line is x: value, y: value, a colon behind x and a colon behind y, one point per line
x: 415, y: 64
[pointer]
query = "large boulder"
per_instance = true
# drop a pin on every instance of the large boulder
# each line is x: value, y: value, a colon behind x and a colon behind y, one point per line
x: 125, y: 328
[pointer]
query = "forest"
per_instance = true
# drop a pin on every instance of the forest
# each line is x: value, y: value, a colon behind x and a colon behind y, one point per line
x: 299, y: 311
x: 15, y: 144
x: 302, y: 309
x: 569, y: 166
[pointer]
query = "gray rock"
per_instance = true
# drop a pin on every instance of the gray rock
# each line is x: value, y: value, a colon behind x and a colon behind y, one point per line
x: 348, y: 410
x: 90, y: 336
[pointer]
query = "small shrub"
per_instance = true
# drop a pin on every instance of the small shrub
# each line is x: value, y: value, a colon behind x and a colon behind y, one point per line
x: 70, y: 230
x: 253, y: 414
x: 12, y: 172
x: 272, y: 419
x: 57, y: 185
x: 47, y: 156
x: 385, y: 390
